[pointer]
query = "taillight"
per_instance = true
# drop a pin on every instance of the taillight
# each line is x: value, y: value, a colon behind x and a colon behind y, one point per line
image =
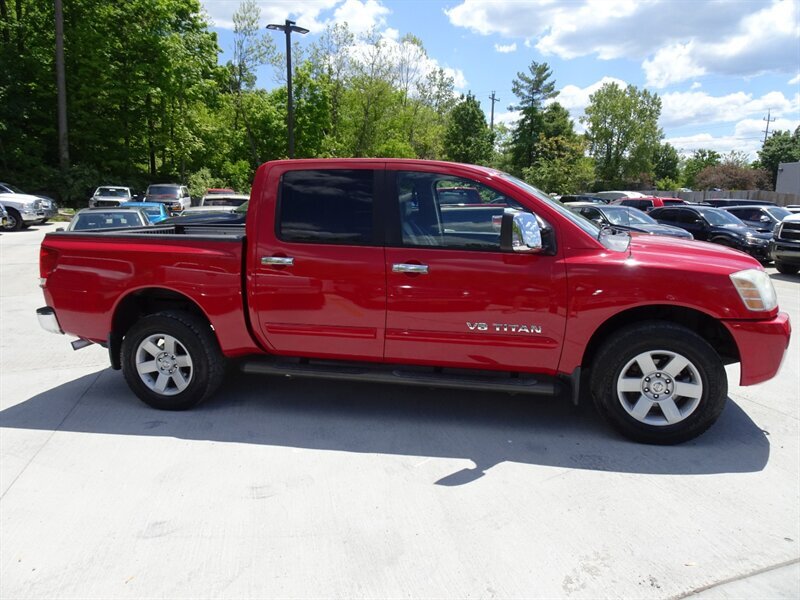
x: 48, y: 257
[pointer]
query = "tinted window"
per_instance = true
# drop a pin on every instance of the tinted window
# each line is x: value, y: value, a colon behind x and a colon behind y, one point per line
x: 327, y: 206
x: 672, y: 201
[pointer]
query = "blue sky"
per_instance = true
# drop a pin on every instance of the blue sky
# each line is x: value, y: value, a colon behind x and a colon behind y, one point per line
x: 718, y: 65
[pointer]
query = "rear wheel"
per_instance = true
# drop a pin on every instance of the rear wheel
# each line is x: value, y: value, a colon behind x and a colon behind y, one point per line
x: 659, y: 383
x: 787, y: 269
x: 171, y: 360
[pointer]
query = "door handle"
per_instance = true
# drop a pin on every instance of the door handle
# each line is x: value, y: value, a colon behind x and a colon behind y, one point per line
x: 407, y: 268
x: 286, y: 261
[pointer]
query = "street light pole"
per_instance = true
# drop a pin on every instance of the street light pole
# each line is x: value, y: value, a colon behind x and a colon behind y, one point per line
x: 288, y: 27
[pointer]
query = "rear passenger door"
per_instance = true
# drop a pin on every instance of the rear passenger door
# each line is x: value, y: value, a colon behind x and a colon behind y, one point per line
x: 319, y: 287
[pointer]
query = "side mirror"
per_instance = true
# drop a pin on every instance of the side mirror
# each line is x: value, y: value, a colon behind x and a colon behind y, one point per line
x: 764, y: 219
x: 59, y: 229
x: 520, y: 232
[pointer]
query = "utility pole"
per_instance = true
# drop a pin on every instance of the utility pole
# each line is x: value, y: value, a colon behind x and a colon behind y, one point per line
x: 493, y: 99
x: 768, y: 120
x: 61, y: 85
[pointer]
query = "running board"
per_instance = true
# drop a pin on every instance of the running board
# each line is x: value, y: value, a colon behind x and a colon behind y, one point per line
x: 498, y: 381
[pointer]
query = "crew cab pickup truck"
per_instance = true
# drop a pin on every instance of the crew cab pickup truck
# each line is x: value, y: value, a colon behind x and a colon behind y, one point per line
x: 346, y: 269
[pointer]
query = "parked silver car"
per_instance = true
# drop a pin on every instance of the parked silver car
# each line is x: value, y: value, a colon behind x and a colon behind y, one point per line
x: 108, y: 218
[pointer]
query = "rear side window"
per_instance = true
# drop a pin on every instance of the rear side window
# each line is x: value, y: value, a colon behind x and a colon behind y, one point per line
x: 332, y: 206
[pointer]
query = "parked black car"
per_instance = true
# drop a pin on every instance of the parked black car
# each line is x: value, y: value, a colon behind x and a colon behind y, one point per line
x: 627, y: 219
x: 235, y: 217
x: 760, y: 217
x: 723, y: 202
x: 717, y: 226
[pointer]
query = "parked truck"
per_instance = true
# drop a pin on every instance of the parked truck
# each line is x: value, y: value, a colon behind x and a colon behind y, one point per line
x: 351, y: 270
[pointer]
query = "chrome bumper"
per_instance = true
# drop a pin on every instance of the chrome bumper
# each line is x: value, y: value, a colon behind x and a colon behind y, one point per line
x: 47, y: 319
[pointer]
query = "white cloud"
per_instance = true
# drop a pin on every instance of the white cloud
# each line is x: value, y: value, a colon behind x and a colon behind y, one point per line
x: 674, y: 40
x: 747, y: 136
x: 672, y: 64
x: 361, y: 16
x: 795, y: 80
x: 696, y: 85
x: 506, y: 49
x: 690, y: 108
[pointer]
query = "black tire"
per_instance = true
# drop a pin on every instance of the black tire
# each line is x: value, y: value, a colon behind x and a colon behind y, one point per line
x: 191, y: 337
x: 787, y: 269
x: 15, y: 222
x: 619, y: 356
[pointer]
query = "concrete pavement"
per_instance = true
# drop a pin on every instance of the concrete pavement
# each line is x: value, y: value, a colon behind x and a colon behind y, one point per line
x: 283, y: 488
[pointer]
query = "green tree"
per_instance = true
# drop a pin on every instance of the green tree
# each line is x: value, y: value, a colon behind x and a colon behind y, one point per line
x: 700, y: 159
x: 623, y: 133
x: 468, y: 138
x: 561, y: 166
x: 781, y: 146
x: 532, y: 89
x: 666, y: 163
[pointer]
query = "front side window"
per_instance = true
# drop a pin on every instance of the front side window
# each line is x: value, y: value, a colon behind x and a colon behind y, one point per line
x: 326, y: 206
x: 450, y: 212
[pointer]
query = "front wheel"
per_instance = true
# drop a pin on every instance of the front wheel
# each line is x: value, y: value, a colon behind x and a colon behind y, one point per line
x: 787, y: 269
x: 659, y: 383
x: 171, y: 360
x: 14, y: 222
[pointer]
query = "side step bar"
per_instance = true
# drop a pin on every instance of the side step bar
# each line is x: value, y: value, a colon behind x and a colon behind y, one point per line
x: 516, y: 383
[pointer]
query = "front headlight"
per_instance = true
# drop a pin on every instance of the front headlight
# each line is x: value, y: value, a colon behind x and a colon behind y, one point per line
x: 755, y: 289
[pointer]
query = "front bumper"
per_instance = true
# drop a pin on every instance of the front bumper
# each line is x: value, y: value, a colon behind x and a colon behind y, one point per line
x: 48, y: 320
x: 785, y: 252
x: 762, y: 346
x: 759, y: 252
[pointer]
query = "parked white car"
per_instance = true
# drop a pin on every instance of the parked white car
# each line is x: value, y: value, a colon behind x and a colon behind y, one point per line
x: 110, y: 195
x: 25, y: 209
x: 616, y: 195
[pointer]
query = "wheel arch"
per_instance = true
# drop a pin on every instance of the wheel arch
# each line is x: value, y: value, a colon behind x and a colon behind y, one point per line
x: 142, y: 302
x: 708, y: 327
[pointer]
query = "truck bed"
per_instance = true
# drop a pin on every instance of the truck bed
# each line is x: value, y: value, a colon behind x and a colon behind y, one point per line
x: 98, y: 274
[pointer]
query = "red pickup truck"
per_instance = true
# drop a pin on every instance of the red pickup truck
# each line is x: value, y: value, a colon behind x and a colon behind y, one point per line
x: 349, y: 270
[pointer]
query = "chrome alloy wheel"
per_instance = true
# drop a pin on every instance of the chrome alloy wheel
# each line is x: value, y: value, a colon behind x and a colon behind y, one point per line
x: 659, y: 387
x: 164, y: 364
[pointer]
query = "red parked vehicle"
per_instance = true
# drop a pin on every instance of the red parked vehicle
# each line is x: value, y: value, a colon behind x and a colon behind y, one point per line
x: 346, y: 269
x: 648, y: 203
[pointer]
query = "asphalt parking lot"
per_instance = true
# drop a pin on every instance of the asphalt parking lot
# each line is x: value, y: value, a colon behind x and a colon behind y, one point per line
x: 311, y: 489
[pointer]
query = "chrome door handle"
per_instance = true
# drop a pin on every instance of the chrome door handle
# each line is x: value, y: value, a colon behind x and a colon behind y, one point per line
x: 407, y: 268
x: 285, y: 261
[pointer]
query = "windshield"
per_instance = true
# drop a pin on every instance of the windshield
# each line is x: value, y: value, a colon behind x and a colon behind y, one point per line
x: 153, y: 211
x: 582, y: 222
x: 113, y: 192
x: 717, y: 216
x: 627, y: 216
x: 778, y: 212
x: 11, y: 188
x: 163, y: 190
x: 242, y: 210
